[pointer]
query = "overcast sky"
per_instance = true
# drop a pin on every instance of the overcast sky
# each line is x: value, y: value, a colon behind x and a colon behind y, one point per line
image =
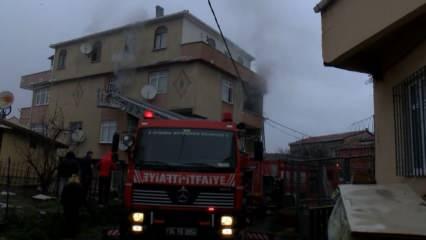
x: 284, y: 36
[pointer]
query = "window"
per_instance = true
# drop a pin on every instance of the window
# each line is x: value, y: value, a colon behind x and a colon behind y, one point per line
x: 39, y: 128
x: 159, y: 80
x: 108, y: 128
x: 62, y: 59
x: 160, y: 38
x: 227, y: 91
x: 211, y: 42
x: 41, y: 96
x: 253, y: 99
x: 95, y: 56
x: 410, y: 125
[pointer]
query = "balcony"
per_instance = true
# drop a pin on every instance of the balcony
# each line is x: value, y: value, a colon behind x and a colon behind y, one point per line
x: 202, y: 51
x: 31, y: 80
x: 35, y: 114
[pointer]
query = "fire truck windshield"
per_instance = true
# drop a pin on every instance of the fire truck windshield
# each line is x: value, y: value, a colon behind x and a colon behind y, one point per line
x: 185, y: 148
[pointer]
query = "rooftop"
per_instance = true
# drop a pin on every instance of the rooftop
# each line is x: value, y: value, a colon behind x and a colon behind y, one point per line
x: 182, y: 14
x: 330, y: 137
x: 18, y: 128
x: 323, y: 5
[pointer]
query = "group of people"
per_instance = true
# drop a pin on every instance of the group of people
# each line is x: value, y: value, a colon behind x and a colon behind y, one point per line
x: 75, y: 181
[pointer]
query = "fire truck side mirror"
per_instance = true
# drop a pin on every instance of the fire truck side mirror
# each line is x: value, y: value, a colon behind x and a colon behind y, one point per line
x: 258, y: 150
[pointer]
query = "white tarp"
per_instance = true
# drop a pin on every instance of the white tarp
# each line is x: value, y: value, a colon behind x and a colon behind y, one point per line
x: 383, y: 209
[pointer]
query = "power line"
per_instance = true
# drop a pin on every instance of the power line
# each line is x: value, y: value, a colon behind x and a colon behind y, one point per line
x: 238, y: 72
x: 224, y: 41
x: 286, y: 127
x: 282, y: 131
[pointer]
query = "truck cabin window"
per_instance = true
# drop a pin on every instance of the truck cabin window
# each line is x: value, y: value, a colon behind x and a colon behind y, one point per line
x: 185, y: 148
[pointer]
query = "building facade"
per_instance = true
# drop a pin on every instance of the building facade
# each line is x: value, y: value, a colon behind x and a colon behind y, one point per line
x: 28, y: 151
x: 386, y: 39
x: 181, y: 56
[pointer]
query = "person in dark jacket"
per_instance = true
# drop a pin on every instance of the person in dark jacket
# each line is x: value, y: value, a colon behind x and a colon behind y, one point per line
x: 67, y: 167
x: 72, y: 198
x: 86, y: 173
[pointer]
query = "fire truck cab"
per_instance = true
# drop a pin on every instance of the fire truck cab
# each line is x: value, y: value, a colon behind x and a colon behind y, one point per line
x: 185, y: 179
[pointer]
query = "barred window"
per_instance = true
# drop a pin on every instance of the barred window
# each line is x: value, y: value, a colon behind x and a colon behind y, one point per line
x: 410, y: 125
x: 159, y: 80
x: 41, y: 96
x: 227, y: 91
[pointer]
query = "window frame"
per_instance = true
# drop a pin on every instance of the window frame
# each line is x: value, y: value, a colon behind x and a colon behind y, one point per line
x: 160, y: 38
x: 41, y: 96
x: 227, y: 91
x: 409, y: 103
x: 62, y: 56
x: 107, y: 125
x: 97, y: 52
x: 155, y: 78
x: 211, y: 42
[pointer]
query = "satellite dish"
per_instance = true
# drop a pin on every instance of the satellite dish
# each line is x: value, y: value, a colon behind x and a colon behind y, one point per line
x: 78, y: 136
x: 126, y: 142
x: 6, y: 99
x: 86, y: 48
x: 148, y: 92
x: 122, y: 147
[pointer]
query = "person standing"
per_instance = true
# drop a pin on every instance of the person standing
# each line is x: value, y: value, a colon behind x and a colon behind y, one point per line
x: 86, y: 173
x: 67, y: 167
x: 106, y: 165
x: 72, y: 199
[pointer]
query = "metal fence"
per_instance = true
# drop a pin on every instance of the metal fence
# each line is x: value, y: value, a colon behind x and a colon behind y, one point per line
x: 314, y: 222
x: 410, y: 129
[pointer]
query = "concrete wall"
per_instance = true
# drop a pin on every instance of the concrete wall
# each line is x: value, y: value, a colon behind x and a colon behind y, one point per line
x: 34, y: 114
x: 348, y: 23
x: 177, y: 97
x: 77, y: 101
x: 17, y: 146
x: 140, y: 40
x: 384, y: 119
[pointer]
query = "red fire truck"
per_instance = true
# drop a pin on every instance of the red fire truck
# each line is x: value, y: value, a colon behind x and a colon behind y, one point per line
x: 188, y: 178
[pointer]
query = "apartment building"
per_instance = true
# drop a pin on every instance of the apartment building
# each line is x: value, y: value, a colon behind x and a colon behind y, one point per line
x: 386, y: 39
x: 183, y: 58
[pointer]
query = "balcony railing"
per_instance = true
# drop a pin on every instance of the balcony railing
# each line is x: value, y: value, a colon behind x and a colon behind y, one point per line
x: 31, y: 80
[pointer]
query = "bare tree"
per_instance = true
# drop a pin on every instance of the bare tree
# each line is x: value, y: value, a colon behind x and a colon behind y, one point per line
x: 42, y: 156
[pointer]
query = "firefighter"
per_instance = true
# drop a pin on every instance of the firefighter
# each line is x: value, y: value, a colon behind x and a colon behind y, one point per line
x: 106, y: 165
x: 72, y: 198
x: 67, y: 167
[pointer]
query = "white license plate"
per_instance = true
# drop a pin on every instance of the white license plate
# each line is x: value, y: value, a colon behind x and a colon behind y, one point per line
x: 179, y: 231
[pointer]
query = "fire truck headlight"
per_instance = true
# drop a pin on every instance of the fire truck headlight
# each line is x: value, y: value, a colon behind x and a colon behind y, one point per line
x: 137, y: 217
x: 227, y: 232
x: 137, y: 228
x: 226, y: 220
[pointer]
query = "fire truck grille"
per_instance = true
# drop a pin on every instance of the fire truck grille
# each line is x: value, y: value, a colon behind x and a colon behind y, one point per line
x: 152, y: 197
x: 215, y: 199
x: 199, y: 199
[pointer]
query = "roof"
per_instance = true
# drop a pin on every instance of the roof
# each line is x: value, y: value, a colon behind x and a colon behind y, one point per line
x: 323, y: 5
x: 383, y: 209
x: 330, y: 138
x: 181, y: 14
x: 6, y: 124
